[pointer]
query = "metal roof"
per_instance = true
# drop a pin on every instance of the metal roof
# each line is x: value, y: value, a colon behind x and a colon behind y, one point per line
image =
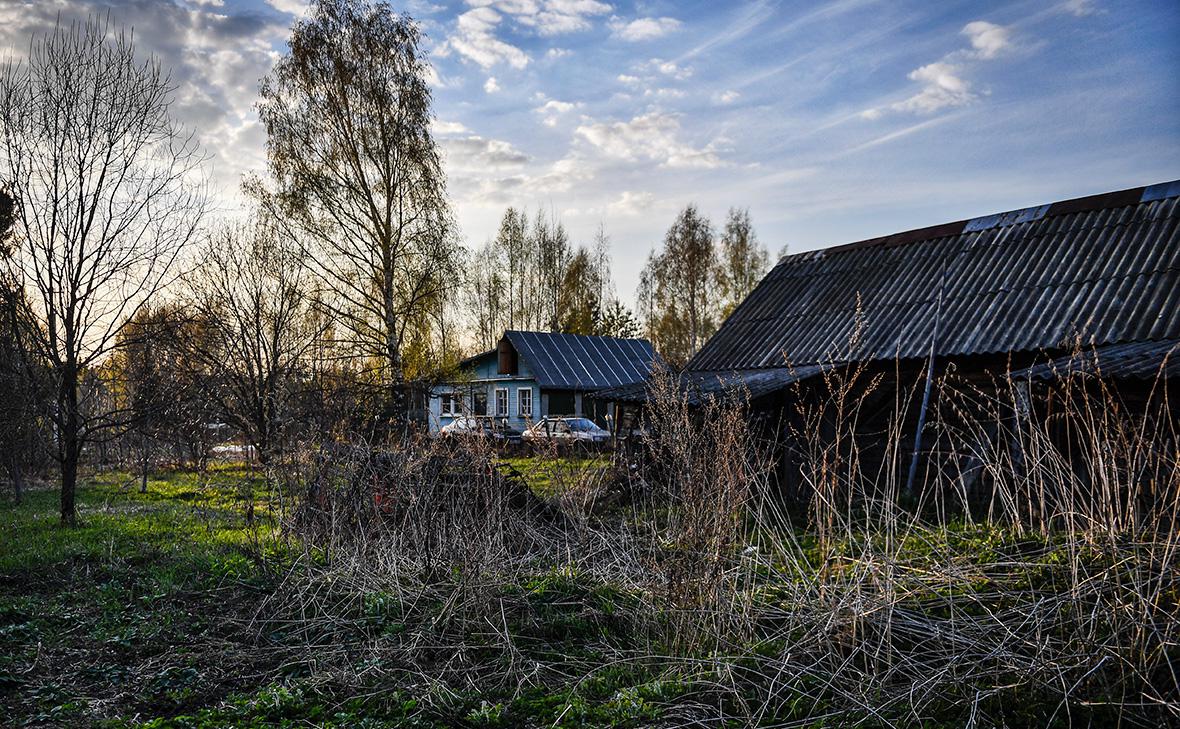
x: 1141, y: 360
x: 581, y: 362
x: 1097, y: 270
x: 697, y: 385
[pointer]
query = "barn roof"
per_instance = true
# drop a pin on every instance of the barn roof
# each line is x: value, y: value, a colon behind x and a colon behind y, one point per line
x: 582, y: 362
x: 1141, y: 360
x: 1097, y: 270
x: 697, y: 386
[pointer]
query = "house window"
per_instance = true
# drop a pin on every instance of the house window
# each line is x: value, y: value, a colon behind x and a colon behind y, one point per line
x: 524, y: 399
x: 501, y: 402
x: 479, y: 402
x: 450, y: 403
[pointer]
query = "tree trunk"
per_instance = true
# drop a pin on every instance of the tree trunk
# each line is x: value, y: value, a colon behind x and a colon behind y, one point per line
x: 71, y: 447
x: 18, y: 482
x: 143, y: 470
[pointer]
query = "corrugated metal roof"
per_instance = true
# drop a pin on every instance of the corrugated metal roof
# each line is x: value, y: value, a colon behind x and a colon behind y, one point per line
x: 1142, y: 360
x: 697, y: 385
x: 1097, y: 270
x: 581, y: 362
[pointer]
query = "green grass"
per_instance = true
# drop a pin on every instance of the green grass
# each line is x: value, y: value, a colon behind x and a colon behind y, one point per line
x: 547, y: 476
x: 153, y: 613
x: 171, y: 609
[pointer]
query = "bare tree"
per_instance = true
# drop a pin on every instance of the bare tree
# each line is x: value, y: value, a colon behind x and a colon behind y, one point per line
x: 742, y: 261
x: 250, y: 295
x: 675, y: 288
x: 106, y: 178
x: 347, y: 114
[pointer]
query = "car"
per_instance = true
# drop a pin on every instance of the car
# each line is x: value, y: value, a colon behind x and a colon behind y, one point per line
x: 480, y: 426
x: 566, y: 430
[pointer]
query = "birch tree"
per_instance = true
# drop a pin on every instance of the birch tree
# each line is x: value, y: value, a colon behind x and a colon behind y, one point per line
x: 347, y: 113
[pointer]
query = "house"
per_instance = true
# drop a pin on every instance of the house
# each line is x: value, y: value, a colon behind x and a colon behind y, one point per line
x: 1089, y: 284
x: 530, y: 375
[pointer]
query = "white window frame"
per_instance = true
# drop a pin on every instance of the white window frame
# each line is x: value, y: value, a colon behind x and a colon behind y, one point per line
x: 456, y: 402
x: 520, y: 401
x: 502, y: 412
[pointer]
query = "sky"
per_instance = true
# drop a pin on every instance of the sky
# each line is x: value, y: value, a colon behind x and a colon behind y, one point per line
x: 831, y: 121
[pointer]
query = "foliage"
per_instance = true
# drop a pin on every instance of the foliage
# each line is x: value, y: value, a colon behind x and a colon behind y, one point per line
x: 358, y: 179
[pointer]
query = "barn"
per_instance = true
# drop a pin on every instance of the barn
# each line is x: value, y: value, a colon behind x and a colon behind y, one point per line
x: 927, y: 327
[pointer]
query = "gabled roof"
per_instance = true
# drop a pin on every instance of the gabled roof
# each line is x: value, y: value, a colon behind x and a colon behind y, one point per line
x: 581, y: 362
x: 1103, y: 269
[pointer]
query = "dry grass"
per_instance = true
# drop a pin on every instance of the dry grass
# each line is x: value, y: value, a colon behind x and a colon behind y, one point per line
x: 1011, y: 587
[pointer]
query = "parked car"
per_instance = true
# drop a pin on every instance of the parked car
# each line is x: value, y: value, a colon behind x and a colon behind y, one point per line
x: 477, y: 426
x: 566, y: 430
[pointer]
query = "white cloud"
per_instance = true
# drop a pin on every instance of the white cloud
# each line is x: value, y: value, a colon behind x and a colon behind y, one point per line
x: 555, y: 53
x: 292, y: 7
x: 653, y: 136
x: 438, y: 126
x: 628, y: 80
x: 941, y: 88
x: 475, y: 40
x: 546, y: 17
x: 726, y: 97
x: 631, y: 203
x: 553, y: 109
x: 669, y: 68
x: 1080, y: 8
x: 642, y: 29
x: 988, y: 39
x: 943, y: 85
x: 490, y: 86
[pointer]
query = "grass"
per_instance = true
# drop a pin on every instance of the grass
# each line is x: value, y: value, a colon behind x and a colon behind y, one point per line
x: 157, y: 612
x: 173, y: 609
x: 545, y: 476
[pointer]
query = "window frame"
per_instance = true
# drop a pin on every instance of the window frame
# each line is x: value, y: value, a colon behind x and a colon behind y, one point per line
x: 456, y: 401
x: 520, y: 411
x: 507, y: 410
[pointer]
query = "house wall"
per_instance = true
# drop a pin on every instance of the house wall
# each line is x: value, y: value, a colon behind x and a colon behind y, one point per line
x: 484, y: 377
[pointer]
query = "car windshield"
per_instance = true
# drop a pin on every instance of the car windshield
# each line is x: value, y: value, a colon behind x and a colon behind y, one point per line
x: 582, y: 425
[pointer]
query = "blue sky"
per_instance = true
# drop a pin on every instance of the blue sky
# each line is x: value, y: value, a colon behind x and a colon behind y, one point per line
x: 831, y: 121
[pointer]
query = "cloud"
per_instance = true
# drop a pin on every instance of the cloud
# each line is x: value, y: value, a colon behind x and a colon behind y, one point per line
x: 631, y: 203
x: 726, y: 97
x: 628, y: 80
x: 943, y: 85
x: 942, y: 88
x: 478, y: 153
x: 490, y: 86
x: 546, y: 17
x: 669, y: 68
x: 1080, y: 8
x: 653, y: 136
x: 555, y: 53
x: 553, y: 109
x: 642, y: 29
x: 291, y: 7
x: 475, y: 40
x: 441, y: 127
x: 988, y: 39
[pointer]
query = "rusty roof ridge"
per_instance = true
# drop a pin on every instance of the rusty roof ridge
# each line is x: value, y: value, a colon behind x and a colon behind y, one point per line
x: 1113, y: 199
